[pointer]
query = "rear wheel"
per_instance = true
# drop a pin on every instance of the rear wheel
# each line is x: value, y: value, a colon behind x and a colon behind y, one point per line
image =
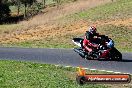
x: 116, y: 55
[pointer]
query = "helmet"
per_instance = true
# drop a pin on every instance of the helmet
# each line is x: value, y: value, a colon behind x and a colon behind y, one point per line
x: 92, y: 29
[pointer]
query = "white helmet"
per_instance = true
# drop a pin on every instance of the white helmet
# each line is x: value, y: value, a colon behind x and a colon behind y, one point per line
x: 92, y: 29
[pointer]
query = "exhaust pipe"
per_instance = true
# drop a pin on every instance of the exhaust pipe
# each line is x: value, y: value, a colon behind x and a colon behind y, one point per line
x: 80, y: 52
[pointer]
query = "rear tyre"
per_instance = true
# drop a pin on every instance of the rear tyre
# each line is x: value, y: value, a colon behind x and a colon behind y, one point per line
x: 116, y: 55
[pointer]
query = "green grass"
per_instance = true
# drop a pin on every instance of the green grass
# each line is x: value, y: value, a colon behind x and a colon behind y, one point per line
x: 14, y: 74
x: 119, y: 9
x: 39, y: 44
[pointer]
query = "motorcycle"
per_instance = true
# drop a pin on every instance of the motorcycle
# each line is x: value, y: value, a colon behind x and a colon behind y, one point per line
x: 105, y: 50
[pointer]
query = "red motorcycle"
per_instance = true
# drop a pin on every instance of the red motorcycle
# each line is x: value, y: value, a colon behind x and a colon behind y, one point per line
x: 105, y: 50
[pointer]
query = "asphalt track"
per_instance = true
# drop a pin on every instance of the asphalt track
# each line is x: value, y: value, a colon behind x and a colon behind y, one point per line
x: 66, y: 57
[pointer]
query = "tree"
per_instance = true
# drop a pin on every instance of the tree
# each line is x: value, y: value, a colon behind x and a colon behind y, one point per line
x: 58, y: 2
x: 44, y: 3
x: 26, y: 3
x: 4, y: 10
x: 3, y: 1
x: 18, y: 4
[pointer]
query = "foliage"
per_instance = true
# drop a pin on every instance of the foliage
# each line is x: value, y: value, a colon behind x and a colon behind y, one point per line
x: 34, y: 9
x: 30, y: 2
x: 4, y: 10
x: 3, y: 1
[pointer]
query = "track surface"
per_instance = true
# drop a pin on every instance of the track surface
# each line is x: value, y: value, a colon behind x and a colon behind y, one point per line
x: 65, y: 57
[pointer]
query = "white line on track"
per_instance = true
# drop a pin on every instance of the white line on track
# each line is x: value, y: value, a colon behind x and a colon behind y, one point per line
x: 94, y: 69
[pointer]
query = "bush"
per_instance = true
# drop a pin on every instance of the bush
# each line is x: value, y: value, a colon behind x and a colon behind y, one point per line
x: 4, y: 11
x: 34, y: 10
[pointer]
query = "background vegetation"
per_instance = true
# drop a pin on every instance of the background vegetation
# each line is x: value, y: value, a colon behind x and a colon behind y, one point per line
x: 15, y: 10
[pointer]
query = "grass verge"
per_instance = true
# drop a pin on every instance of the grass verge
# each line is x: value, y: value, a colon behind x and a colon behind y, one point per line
x: 14, y: 74
x: 119, y: 9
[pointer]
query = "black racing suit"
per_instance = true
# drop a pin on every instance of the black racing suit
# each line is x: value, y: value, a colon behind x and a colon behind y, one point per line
x: 90, y: 36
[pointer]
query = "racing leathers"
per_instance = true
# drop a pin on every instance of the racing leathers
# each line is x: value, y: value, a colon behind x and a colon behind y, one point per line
x: 88, y: 46
x: 88, y: 41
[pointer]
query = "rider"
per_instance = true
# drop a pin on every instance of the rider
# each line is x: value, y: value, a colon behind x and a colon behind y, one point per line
x: 89, y: 39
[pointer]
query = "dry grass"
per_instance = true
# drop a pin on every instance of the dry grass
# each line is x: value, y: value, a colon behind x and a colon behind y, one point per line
x: 55, y: 32
x: 47, y: 25
x: 42, y: 32
x: 117, y: 22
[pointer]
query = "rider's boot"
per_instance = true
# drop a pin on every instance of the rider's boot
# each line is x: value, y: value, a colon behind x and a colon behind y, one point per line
x: 86, y: 56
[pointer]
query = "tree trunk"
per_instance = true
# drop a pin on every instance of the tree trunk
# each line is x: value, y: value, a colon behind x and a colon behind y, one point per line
x: 44, y: 3
x: 18, y: 8
x: 25, y: 12
x: 58, y: 3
